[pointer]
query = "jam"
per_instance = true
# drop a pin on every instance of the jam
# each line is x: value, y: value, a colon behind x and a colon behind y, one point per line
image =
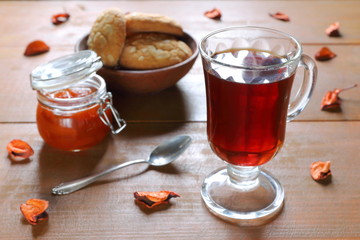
x: 72, y: 92
x: 74, y: 111
x: 71, y: 129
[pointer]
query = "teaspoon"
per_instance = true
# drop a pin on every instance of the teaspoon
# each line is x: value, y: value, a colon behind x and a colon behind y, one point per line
x: 162, y: 155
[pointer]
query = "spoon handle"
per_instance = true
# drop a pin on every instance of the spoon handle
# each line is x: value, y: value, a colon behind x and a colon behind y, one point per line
x: 69, y: 187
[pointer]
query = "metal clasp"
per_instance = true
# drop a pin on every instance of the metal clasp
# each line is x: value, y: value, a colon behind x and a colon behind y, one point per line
x: 105, y: 104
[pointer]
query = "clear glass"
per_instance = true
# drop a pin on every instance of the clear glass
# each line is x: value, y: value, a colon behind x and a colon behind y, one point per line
x: 64, y: 71
x: 72, y: 124
x: 75, y: 111
x: 249, y: 73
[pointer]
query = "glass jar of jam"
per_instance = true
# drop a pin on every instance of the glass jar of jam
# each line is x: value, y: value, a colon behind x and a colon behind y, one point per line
x: 74, y: 111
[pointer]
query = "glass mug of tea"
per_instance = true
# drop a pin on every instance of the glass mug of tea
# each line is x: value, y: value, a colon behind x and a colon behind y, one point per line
x: 249, y: 73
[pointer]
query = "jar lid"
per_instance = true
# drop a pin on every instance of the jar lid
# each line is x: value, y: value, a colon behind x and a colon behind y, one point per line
x: 65, y: 71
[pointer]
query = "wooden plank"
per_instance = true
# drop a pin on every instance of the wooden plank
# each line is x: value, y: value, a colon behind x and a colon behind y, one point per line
x: 107, y: 210
x: 185, y: 101
x: 309, y: 19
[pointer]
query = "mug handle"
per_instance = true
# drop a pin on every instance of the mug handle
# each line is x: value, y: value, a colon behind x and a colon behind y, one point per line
x: 306, y: 89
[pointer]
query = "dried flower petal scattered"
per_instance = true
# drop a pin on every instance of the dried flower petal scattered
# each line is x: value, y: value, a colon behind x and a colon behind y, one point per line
x: 60, y: 18
x: 320, y: 170
x: 19, y: 150
x: 213, y: 14
x: 280, y: 16
x: 36, y: 47
x: 34, y: 210
x: 333, y: 30
x: 324, y: 54
x: 152, y: 199
x: 331, y: 100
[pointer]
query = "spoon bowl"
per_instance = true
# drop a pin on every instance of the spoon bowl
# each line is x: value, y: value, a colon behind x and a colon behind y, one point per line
x: 162, y: 155
x: 168, y: 151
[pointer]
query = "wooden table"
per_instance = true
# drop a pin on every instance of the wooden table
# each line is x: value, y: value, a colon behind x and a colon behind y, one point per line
x: 106, y: 209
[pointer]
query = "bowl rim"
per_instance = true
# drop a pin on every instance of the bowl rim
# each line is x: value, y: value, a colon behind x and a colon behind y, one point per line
x: 191, y: 58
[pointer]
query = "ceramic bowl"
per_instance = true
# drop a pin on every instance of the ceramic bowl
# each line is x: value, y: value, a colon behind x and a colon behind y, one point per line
x: 145, y: 81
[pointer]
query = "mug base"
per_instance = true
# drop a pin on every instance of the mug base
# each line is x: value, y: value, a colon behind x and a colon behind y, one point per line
x: 252, y: 206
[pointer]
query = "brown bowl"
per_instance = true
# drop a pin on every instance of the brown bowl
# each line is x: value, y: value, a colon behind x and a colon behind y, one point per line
x: 145, y: 81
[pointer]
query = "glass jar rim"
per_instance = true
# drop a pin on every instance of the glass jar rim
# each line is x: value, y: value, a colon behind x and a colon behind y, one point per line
x: 208, y: 58
x: 94, y: 81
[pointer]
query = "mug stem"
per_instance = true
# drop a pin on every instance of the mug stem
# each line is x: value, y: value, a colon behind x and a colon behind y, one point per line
x: 245, y: 178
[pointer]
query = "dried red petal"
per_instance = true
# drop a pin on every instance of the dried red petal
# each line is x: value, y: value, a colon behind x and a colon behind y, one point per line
x: 60, y: 18
x: 34, y: 210
x: 36, y: 47
x: 19, y: 150
x: 320, y: 170
x: 152, y: 199
x: 213, y: 14
x: 333, y: 30
x: 280, y: 16
x: 324, y: 54
x: 331, y: 100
